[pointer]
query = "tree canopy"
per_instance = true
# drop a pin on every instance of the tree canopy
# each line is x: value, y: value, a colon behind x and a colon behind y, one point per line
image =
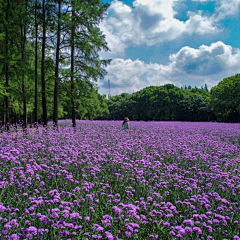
x: 49, y: 60
x: 225, y: 99
x: 170, y: 103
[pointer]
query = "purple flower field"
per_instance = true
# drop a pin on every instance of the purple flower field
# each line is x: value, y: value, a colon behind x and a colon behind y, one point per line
x: 164, y: 180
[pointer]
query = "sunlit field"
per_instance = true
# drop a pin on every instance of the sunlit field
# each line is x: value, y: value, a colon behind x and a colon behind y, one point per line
x: 164, y: 180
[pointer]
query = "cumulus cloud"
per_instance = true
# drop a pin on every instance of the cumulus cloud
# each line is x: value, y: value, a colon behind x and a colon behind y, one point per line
x: 206, y: 60
x: 150, y: 22
x: 128, y: 76
x: 207, y: 64
x: 199, y: 24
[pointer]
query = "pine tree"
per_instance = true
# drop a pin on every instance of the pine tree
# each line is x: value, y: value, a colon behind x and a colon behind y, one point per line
x: 85, y: 40
x: 44, y: 100
x: 55, y: 111
x: 6, y: 112
x: 72, y: 64
x: 36, y: 22
x: 206, y: 88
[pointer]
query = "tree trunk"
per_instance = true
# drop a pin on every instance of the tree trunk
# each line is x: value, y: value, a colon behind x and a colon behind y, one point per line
x: 36, y: 66
x: 15, y: 118
x: 72, y: 72
x: 23, y: 36
x: 55, y: 114
x: 24, y: 104
x: 44, y: 101
x: 6, y: 117
x: 3, y: 113
x: 72, y: 88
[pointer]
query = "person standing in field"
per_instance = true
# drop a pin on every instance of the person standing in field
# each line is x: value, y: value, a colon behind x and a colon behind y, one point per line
x: 125, y: 125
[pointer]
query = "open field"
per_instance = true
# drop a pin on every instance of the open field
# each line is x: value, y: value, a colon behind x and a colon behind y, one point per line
x: 164, y: 180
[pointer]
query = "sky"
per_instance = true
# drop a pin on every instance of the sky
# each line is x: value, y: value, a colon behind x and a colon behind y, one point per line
x: 182, y: 42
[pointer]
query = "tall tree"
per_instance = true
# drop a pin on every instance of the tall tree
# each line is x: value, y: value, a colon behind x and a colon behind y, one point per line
x: 6, y: 112
x: 55, y: 111
x: 85, y: 40
x: 36, y: 62
x: 206, y: 88
x: 23, y: 45
x: 44, y: 100
x: 72, y: 66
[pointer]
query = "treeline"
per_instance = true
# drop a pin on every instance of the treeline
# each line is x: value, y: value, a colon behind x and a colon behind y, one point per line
x: 49, y: 60
x: 170, y: 103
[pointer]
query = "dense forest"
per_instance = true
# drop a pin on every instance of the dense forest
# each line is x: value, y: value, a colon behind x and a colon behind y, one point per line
x: 49, y: 66
x: 170, y: 103
x: 49, y: 61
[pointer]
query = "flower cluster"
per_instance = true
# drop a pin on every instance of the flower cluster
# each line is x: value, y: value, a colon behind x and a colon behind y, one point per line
x: 164, y: 180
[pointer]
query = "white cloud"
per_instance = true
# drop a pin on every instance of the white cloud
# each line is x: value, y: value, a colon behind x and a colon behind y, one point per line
x: 200, y: 24
x: 119, y: 7
x: 128, y: 75
x: 114, y: 42
x: 189, y: 66
x: 156, y: 7
x: 225, y: 7
x: 149, y: 22
x: 206, y: 60
x: 229, y: 7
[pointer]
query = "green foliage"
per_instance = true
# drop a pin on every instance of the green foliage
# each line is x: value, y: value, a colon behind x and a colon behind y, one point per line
x: 163, y: 103
x: 88, y: 41
x: 89, y: 103
x: 225, y: 99
x: 168, y: 102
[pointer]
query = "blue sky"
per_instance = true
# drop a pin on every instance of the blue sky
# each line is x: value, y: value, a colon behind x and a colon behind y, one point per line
x: 183, y: 42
